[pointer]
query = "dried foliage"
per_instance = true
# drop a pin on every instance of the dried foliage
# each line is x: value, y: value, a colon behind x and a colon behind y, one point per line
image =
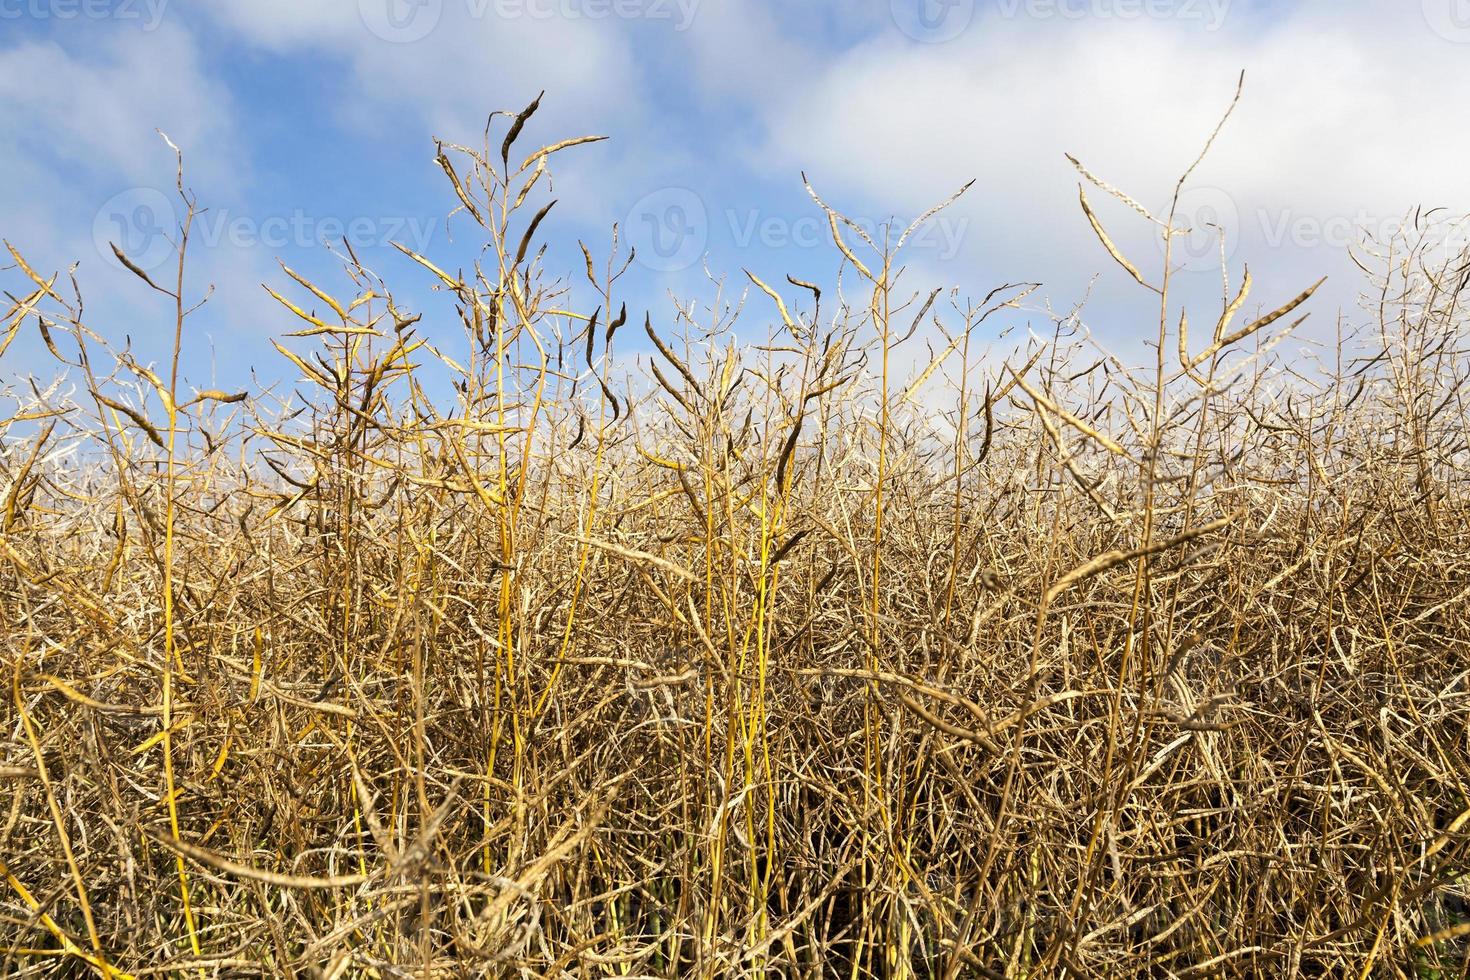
x: 774, y: 663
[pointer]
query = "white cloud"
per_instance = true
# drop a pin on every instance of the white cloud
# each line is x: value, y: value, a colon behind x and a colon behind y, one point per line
x: 1344, y: 117
x: 78, y: 140
x: 449, y: 62
x: 746, y: 51
x: 96, y: 106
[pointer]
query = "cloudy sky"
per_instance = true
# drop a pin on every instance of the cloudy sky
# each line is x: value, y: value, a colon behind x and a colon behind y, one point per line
x: 306, y: 119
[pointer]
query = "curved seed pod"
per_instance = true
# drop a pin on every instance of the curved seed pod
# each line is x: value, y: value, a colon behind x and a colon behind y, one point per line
x: 791, y: 542
x: 621, y: 319
x: 136, y: 417
x: 50, y: 344
x: 667, y: 386
x: 786, y: 452
x: 459, y: 191
x: 212, y: 395
x: 530, y: 231
x: 1107, y: 243
x: 915, y: 325
x: 592, y: 333
x: 664, y: 350
x: 989, y: 425
x: 812, y: 287
x: 133, y: 268
x: 587, y: 255
x: 827, y: 579
x: 692, y: 497
x: 17, y: 313
x: 607, y: 392
x: 547, y: 151
x: 1222, y: 342
x: 516, y: 126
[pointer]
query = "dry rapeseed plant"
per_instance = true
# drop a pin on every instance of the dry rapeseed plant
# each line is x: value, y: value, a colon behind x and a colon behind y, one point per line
x: 778, y: 664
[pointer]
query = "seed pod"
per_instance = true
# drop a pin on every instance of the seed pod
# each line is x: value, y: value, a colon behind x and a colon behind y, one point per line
x: 667, y: 386
x: 592, y: 333
x: 815, y: 291
x: 459, y: 191
x: 50, y: 344
x: 664, y: 350
x: 591, y: 275
x: 989, y: 425
x: 786, y: 452
x: 612, y: 328
x: 531, y: 230
x: 693, y: 498
x: 133, y: 268
x: 136, y: 417
x: 791, y: 542
x: 611, y: 398
x: 516, y: 126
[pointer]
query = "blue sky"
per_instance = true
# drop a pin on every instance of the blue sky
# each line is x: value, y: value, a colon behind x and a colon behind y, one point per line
x: 304, y: 119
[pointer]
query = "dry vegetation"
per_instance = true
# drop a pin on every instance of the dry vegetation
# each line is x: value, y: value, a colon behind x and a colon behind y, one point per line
x: 782, y: 661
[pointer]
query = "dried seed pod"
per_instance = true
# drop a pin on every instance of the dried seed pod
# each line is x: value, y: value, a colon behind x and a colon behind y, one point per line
x: 592, y: 333
x: 612, y: 328
x: 531, y: 231
x: 516, y: 125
